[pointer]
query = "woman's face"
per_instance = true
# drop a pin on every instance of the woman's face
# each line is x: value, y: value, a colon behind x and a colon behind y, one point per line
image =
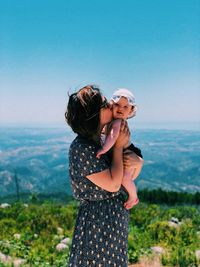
x: 105, y: 113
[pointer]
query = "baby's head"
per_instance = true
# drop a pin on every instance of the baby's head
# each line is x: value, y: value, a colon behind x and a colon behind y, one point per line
x: 123, y: 102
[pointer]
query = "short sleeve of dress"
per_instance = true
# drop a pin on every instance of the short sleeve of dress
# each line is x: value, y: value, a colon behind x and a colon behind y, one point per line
x: 84, y: 161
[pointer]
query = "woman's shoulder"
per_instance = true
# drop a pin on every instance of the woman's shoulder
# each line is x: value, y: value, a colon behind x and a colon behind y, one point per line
x: 82, y: 143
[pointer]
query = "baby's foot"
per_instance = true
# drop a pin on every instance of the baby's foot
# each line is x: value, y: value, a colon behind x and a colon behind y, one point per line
x: 132, y: 201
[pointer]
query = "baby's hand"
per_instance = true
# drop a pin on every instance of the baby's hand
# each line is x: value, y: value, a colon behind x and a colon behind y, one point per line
x: 100, y: 152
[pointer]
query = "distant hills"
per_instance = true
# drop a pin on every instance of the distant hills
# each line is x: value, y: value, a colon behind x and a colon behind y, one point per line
x: 39, y: 159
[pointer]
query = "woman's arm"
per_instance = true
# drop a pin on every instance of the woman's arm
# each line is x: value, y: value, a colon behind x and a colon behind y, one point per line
x: 111, y: 179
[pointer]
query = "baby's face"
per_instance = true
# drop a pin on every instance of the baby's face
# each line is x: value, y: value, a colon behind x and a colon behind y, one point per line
x: 122, y: 109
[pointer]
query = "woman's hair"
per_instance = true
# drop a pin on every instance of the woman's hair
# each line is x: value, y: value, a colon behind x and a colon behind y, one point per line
x: 83, y: 111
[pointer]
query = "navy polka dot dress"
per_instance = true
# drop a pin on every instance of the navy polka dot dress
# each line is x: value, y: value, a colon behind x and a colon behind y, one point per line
x: 101, y: 230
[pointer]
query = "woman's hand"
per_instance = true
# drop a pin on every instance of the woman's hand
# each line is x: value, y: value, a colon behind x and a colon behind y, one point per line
x: 124, y: 135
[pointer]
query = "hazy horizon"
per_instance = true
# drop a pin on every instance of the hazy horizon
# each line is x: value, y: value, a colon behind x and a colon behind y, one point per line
x: 193, y: 126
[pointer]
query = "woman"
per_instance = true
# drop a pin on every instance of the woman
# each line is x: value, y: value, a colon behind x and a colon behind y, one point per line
x: 101, y: 230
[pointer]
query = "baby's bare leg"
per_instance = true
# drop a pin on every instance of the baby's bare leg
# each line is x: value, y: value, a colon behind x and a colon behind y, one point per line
x: 137, y: 169
x: 137, y: 164
x: 131, y: 189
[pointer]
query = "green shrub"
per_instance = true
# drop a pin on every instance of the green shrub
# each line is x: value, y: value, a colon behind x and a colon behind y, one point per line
x: 38, y: 226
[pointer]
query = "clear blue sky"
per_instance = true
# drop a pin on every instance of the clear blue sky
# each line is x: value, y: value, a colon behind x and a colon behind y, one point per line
x: 48, y: 47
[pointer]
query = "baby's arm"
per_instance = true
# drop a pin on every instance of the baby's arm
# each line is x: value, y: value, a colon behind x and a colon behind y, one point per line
x: 111, y: 137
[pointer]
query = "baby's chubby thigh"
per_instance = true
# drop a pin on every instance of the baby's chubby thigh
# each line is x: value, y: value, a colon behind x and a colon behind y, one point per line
x: 136, y: 161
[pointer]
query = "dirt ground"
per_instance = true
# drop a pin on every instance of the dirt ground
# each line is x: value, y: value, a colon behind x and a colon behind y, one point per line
x: 146, y: 262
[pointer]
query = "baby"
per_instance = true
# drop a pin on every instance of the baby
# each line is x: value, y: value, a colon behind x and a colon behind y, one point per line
x: 124, y: 108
